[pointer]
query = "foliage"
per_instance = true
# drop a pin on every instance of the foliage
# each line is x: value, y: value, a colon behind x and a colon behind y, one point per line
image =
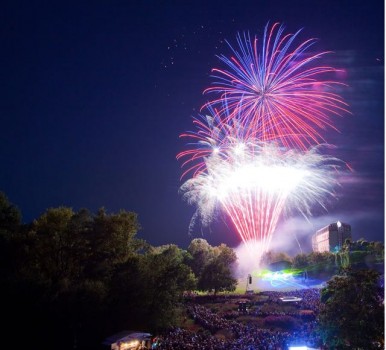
x: 112, y: 241
x: 76, y: 276
x: 352, y: 316
x: 167, y: 277
x: 271, y: 257
x: 361, y: 254
x: 300, y: 261
x: 10, y: 216
x: 201, y: 252
x: 217, y: 275
x: 10, y: 250
x: 56, y: 249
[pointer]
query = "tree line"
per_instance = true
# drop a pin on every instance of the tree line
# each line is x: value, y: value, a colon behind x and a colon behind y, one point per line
x: 355, y: 254
x: 72, y: 278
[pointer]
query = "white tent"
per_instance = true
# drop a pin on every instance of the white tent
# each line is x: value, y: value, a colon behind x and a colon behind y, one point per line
x: 127, y: 340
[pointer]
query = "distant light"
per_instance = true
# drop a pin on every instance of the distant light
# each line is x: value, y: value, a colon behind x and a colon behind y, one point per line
x: 285, y: 299
x: 297, y: 348
x: 129, y: 345
x: 216, y: 150
x: 339, y: 224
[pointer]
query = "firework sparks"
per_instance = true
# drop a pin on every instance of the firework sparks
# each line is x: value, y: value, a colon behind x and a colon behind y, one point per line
x: 214, y: 135
x: 256, y: 182
x: 278, y: 89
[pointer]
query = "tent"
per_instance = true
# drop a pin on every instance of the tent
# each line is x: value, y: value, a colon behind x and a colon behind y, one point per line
x: 126, y: 340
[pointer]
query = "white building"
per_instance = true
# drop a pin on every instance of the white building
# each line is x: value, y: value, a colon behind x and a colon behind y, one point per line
x: 331, y: 237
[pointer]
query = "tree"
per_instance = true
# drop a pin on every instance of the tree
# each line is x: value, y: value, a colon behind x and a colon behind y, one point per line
x: 361, y: 253
x: 345, y: 253
x: 10, y: 216
x: 217, y: 273
x: 321, y: 262
x: 57, y: 245
x: 70, y: 299
x: 112, y: 241
x: 201, y: 252
x: 127, y: 295
x: 10, y: 227
x: 164, y: 279
x: 378, y: 248
x: 272, y: 259
x: 352, y: 312
x: 300, y: 261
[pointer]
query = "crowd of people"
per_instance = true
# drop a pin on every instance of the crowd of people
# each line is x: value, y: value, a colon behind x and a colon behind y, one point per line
x: 310, y: 298
x: 244, y: 336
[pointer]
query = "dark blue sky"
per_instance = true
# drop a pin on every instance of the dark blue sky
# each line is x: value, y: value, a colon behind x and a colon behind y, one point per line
x: 94, y: 95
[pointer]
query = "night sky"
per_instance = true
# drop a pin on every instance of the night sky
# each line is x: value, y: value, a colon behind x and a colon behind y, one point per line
x: 94, y: 96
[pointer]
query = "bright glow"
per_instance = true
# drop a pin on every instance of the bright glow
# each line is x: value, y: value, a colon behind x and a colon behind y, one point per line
x: 290, y: 299
x: 239, y: 148
x: 129, y: 345
x: 247, y: 263
x: 256, y: 188
x: 297, y: 348
x: 269, y: 177
x: 254, y: 176
x: 339, y: 224
x: 280, y: 279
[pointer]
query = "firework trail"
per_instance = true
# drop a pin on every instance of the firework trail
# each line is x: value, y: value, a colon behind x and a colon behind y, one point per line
x: 277, y: 87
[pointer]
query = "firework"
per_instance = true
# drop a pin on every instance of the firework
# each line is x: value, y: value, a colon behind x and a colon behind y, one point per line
x: 256, y: 182
x: 256, y: 151
x: 277, y: 87
x: 213, y: 135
